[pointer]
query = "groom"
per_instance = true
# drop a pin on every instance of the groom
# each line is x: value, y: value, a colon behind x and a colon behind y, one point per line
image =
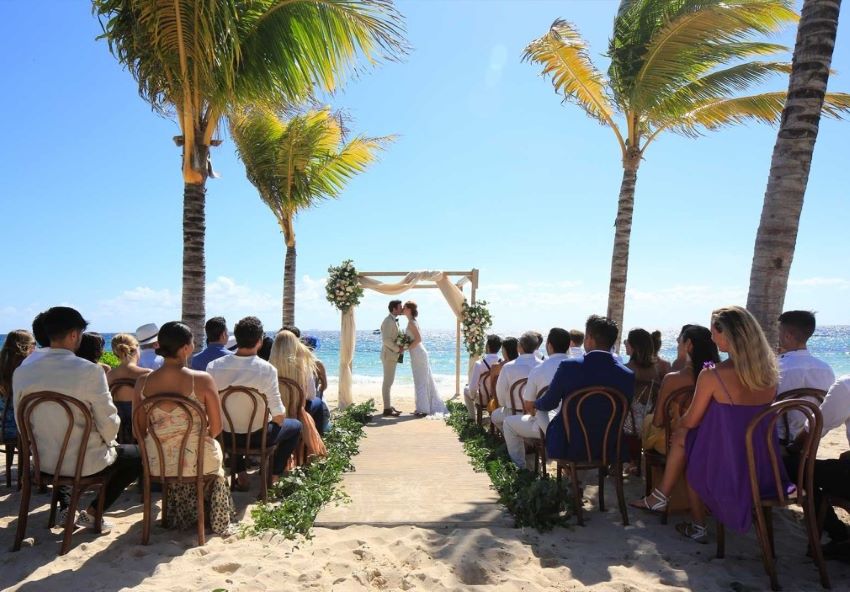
x: 390, y: 351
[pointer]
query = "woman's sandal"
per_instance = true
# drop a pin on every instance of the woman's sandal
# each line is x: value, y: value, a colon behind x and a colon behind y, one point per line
x: 693, y: 531
x: 658, y: 507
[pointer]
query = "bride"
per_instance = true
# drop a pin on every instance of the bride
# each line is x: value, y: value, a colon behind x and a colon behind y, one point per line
x: 428, y: 401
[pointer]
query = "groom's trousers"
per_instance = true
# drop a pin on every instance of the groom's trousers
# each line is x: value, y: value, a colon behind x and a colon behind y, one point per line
x: 389, y: 377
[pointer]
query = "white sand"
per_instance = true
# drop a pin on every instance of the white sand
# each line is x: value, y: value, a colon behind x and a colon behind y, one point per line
x: 601, y: 556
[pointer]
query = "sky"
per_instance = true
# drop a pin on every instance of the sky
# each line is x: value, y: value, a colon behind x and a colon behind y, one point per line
x: 489, y: 170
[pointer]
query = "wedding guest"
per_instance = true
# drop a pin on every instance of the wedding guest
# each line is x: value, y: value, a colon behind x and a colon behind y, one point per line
x: 41, y: 339
x: 59, y: 370
x: 147, y: 338
x: 576, y: 342
x: 491, y: 357
x: 312, y: 344
x: 510, y: 352
x: 727, y: 398
x: 217, y: 346
x: 513, y: 371
x: 126, y: 349
x: 294, y: 361
x: 175, y: 345
x: 641, y: 351
x: 247, y: 369
x: 699, y: 349
x: 532, y: 425
x: 681, y: 360
x: 292, y: 329
x: 18, y: 346
x: 642, y: 361
x: 265, y: 350
x: 597, y: 367
x: 91, y: 349
x: 663, y: 365
x: 539, y: 337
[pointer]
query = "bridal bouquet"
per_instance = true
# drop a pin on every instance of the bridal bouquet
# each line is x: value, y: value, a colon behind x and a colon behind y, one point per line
x: 343, y: 287
x: 476, y: 321
x: 403, y: 340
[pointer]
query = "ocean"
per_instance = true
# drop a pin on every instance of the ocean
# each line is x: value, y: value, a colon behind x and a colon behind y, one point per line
x: 830, y: 343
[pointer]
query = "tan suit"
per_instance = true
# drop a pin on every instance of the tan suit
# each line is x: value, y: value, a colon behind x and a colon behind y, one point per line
x: 389, y: 356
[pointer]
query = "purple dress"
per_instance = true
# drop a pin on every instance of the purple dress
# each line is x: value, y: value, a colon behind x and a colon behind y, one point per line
x: 717, y: 462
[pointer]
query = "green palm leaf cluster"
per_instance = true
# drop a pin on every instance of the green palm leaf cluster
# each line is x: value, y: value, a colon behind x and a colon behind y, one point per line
x: 676, y: 65
x: 296, y: 162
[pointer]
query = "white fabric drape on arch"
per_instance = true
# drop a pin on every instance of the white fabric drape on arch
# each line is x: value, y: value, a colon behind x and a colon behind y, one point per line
x: 452, y: 294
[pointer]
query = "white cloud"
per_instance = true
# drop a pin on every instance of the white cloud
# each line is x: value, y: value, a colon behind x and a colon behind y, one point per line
x: 821, y: 282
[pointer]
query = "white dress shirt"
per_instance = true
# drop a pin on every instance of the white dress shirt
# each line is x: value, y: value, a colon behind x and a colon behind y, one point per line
x: 511, y: 372
x: 60, y: 370
x: 478, y: 369
x: 149, y: 359
x: 252, y: 372
x: 575, y: 352
x: 836, y: 406
x: 35, y: 355
x: 800, y: 369
x: 541, y: 376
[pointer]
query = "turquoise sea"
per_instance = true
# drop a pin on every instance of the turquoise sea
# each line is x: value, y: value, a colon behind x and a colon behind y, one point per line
x: 830, y: 343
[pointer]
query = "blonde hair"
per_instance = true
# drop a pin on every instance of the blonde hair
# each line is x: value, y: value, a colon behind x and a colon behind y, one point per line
x: 126, y: 347
x: 292, y: 359
x: 755, y: 362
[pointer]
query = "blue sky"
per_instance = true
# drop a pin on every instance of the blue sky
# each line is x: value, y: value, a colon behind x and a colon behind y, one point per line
x: 489, y: 170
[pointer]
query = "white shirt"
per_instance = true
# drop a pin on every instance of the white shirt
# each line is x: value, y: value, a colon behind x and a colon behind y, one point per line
x: 541, y: 376
x: 60, y: 370
x: 836, y: 406
x: 511, y: 372
x: 35, y: 355
x: 800, y: 369
x: 480, y: 368
x: 149, y: 359
x: 575, y: 352
x: 252, y: 372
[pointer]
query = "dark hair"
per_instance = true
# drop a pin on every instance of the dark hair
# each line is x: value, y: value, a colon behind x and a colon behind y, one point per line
x: 292, y: 329
x: 576, y: 337
x: 603, y: 330
x: 656, y: 341
x: 411, y: 305
x: 91, y: 347
x: 703, y: 348
x: 214, y: 328
x: 59, y: 321
x: 172, y: 336
x: 509, y: 346
x: 39, y: 332
x: 559, y: 339
x: 685, y: 328
x: 528, y: 342
x: 799, y: 323
x: 393, y: 304
x: 14, y: 350
x: 494, y: 344
x: 643, y: 348
x: 265, y: 351
x: 248, y: 332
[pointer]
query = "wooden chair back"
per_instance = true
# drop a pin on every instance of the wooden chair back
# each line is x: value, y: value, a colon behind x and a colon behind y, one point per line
x: 195, y: 415
x: 619, y: 406
x: 516, y: 396
x: 678, y: 401
x: 646, y: 393
x: 296, y: 398
x: 808, y: 394
x: 483, y: 389
x: 236, y: 396
x: 120, y: 383
x: 125, y: 432
x: 7, y: 411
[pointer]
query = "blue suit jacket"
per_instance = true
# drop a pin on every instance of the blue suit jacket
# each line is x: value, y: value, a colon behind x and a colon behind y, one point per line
x: 596, y: 368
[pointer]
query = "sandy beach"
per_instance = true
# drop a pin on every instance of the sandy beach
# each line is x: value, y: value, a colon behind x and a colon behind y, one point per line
x: 601, y: 556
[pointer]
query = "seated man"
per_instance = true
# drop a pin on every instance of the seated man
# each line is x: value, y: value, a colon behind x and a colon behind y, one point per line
x: 59, y: 370
x: 512, y: 372
x: 146, y: 335
x: 596, y: 368
x: 533, y: 425
x: 491, y: 356
x: 246, y: 368
x: 576, y: 342
x: 217, y: 336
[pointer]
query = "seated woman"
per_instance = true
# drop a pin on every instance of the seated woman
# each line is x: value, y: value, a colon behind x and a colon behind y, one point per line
x: 696, y: 346
x: 176, y: 346
x: 681, y: 359
x: 126, y: 348
x: 642, y: 361
x: 17, y: 347
x: 91, y: 349
x: 510, y: 352
x: 293, y: 360
x: 664, y: 367
x: 709, y: 445
x: 321, y: 377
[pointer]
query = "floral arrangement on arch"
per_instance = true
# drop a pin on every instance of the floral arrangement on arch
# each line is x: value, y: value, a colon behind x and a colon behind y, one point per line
x: 476, y: 322
x: 343, y: 287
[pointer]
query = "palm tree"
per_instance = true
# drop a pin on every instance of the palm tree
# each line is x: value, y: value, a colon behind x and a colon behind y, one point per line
x: 295, y: 163
x: 792, y: 158
x: 199, y: 59
x: 678, y: 66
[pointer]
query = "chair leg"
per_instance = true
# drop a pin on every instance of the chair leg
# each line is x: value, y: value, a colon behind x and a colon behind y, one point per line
x: 69, y: 521
x: 201, y: 525
x: 602, y: 472
x: 766, y: 549
x: 721, y: 540
x: 812, y: 526
x: 576, y: 494
x: 146, y: 512
x: 101, y: 502
x: 648, y: 482
x: 264, y: 472
x: 768, y: 521
x: 164, y: 486
x: 10, y: 458
x: 23, y: 512
x: 621, y: 497
x: 54, y: 500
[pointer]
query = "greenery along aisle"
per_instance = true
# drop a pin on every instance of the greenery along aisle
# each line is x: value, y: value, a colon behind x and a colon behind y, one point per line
x: 297, y: 498
x: 533, y: 501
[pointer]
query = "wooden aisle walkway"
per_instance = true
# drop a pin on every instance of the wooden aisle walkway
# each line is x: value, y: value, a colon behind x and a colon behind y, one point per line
x: 414, y: 472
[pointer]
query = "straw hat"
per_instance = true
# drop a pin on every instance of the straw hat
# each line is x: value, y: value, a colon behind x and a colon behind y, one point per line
x: 147, y: 333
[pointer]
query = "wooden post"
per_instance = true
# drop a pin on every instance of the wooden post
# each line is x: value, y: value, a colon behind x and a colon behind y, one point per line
x: 457, y: 361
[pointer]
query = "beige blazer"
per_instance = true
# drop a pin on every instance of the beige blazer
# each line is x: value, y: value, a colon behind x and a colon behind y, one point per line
x: 389, y: 333
x: 59, y: 370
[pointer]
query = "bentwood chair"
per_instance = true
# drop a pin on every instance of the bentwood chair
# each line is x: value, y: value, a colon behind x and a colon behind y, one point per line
x: 674, y: 407
x: 9, y: 442
x: 646, y: 394
x: 599, y: 454
x: 296, y: 400
x: 516, y: 388
x: 803, y: 481
x: 809, y: 394
x: 538, y: 445
x: 76, y: 414
x: 144, y: 424
x: 482, y: 398
x: 125, y: 432
x: 246, y: 438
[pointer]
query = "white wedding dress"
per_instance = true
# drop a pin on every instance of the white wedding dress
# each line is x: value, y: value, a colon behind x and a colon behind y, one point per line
x: 427, y: 398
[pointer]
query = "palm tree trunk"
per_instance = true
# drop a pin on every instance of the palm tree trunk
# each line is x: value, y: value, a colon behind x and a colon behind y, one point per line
x: 792, y: 159
x: 289, y: 286
x: 194, y: 264
x: 622, y: 235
